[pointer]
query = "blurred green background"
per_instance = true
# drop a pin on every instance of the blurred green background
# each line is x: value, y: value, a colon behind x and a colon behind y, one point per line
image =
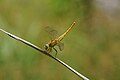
x: 92, y: 47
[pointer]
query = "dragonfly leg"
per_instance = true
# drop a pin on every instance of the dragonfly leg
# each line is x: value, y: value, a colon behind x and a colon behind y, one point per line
x: 55, y: 51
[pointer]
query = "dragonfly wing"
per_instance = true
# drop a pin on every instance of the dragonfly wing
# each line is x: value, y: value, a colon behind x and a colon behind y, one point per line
x: 61, y: 46
x: 51, y: 32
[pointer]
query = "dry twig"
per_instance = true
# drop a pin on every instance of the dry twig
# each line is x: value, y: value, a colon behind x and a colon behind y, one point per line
x: 44, y: 52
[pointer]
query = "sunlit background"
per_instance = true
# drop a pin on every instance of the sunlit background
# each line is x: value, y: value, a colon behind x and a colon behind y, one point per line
x: 92, y: 47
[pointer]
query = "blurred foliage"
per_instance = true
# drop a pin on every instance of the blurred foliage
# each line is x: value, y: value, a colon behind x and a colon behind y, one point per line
x: 92, y: 47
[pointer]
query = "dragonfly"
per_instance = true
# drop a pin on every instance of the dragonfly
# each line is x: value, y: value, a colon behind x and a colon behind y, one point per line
x: 41, y: 50
x: 57, y: 41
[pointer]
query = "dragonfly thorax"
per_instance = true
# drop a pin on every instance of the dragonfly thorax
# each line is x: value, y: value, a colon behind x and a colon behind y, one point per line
x: 48, y: 47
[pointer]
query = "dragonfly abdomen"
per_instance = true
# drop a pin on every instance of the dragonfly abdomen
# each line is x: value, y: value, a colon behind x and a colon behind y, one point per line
x: 65, y: 33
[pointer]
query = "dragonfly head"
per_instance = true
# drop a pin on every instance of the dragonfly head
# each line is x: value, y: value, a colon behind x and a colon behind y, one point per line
x: 46, y: 47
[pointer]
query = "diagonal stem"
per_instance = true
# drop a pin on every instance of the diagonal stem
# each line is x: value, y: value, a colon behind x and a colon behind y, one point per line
x: 44, y: 52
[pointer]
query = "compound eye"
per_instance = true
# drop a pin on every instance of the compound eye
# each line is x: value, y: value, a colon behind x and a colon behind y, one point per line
x: 46, y: 46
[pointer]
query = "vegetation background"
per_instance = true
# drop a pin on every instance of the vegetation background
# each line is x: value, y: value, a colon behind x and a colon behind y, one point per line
x: 92, y: 47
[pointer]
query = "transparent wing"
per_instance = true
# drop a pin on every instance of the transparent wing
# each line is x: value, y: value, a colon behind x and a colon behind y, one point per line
x: 51, y: 32
x: 60, y: 45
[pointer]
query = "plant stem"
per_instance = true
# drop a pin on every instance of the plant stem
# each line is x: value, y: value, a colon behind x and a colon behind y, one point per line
x: 44, y: 52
